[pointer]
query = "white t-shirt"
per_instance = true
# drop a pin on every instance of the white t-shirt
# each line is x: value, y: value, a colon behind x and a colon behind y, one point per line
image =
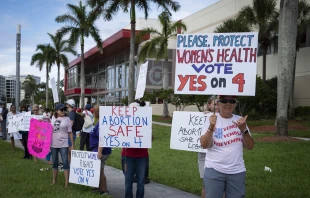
x: 226, y: 153
x: 89, y: 129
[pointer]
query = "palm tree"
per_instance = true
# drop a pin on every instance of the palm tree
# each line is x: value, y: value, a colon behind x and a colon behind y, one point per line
x: 158, y: 46
x: 236, y: 24
x: 114, y: 6
x: 30, y: 87
x: 61, y: 46
x: 303, y: 22
x: 80, y: 24
x: 45, y: 56
x: 262, y: 16
x: 287, y: 50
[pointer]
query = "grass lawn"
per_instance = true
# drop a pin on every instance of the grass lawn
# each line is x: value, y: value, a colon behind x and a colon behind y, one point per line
x: 158, y: 118
x: 289, y: 161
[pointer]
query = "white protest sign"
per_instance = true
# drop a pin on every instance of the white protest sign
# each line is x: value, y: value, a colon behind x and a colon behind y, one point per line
x: 14, y: 122
x: 186, y: 130
x: 121, y: 126
x: 85, y: 168
x: 25, y: 121
x: 17, y: 136
x: 54, y: 90
x: 216, y: 63
x: 141, y: 80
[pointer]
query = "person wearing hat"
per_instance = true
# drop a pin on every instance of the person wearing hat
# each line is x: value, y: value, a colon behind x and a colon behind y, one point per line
x: 70, y: 104
x: 62, y: 129
x: 84, y: 134
x: 225, y: 136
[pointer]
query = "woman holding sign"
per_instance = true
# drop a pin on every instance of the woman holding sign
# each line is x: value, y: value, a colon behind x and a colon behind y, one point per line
x: 61, y: 131
x: 225, y: 137
x: 210, y: 107
x: 103, y: 153
x: 25, y: 136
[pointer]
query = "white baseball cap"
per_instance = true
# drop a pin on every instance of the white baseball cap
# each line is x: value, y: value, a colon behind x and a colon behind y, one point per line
x: 70, y: 102
x: 134, y: 104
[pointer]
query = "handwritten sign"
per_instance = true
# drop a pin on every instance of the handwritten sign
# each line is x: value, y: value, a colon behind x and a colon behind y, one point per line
x: 54, y: 90
x: 17, y: 136
x: 141, y: 80
x: 186, y: 130
x: 25, y: 121
x: 221, y: 63
x: 122, y: 126
x: 84, y: 168
x: 39, y: 138
x: 14, y: 121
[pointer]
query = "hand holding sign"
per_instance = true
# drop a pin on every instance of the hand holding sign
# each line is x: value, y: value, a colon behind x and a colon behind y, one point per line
x: 241, y: 123
x: 212, y: 120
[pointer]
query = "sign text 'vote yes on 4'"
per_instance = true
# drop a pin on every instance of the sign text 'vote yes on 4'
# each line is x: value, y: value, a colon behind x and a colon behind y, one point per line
x: 216, y: 63
x: 121, y: 126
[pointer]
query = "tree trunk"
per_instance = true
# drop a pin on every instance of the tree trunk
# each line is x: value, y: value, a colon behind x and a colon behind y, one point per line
x: 165, y: 86
x: 131, y: 75
x: 58, y: 80
x: 82, y: 78
x: 264, y: 61
x: 46, y: 87
x: 287, y: 50
x: 291, y: 110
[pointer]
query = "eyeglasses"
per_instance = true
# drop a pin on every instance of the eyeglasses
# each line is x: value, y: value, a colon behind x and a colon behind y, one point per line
x: 61, y: 109
x: 34, y: 109
x: 224, y: 101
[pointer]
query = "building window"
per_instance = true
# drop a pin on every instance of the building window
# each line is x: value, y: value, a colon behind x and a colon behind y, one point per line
x: 72, y: 74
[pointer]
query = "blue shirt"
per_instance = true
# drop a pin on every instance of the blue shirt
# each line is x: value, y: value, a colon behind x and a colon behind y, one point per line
x: 71, y: 116
x: 94, y: 141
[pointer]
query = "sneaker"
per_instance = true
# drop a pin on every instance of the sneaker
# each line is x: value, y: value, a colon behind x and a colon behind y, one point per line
x: 102, y: 193
x: 147, y: 181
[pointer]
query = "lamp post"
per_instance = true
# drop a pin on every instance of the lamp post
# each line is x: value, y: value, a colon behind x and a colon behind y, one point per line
x: 18, y: 41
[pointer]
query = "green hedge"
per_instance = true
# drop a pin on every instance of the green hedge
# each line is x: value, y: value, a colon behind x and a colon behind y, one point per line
x: 302, y: 111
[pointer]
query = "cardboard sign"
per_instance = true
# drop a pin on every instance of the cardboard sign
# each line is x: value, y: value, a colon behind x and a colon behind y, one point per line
x: 85, y: 168
x: 141, y: 81
x: 54, y: 90
x: 186, y: 130
x: 14, y: 122
x: 25, y: 121
x: 216, y: 63
x: 39, y: 138
x: 122, y: 126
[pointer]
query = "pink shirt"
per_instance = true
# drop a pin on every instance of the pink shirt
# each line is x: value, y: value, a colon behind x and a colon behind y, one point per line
x: 61, y: 128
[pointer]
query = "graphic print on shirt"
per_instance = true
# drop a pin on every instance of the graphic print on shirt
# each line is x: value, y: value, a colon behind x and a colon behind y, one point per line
x: 227, y: 135
x: 57, y: 125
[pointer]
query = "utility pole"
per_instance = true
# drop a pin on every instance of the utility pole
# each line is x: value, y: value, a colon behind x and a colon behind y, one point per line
x: 18, y: 41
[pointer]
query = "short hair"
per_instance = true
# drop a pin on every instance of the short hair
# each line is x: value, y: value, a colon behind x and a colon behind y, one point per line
x: 35, y: 106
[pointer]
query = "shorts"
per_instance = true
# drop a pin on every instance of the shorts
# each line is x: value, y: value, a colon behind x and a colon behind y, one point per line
x: 69, y: 141
x: 201, y: 164
x: 104, y: 158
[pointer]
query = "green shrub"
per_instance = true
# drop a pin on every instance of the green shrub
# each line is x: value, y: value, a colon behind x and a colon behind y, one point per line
x: 302, y: 111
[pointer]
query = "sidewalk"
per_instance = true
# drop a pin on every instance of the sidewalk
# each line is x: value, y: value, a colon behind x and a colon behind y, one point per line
x: 116, y: 185
x: 161, y: 123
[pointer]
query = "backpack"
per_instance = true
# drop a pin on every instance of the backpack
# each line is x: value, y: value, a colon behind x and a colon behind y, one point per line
x: 78, y: 122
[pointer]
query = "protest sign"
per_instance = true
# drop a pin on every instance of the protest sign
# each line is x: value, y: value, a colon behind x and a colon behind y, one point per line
x: 14, y: 122
x: 122, y: 126
x: 54, y: 90
x: 39, y: 138
x: 186, y: 130
x: 17, y: 136
x: 24, y: 123
x: 85, y: 168
x: 141, y: 80
x: 216, y: 63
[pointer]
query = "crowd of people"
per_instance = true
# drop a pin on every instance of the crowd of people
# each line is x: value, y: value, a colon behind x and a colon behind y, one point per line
x: 221, y: 167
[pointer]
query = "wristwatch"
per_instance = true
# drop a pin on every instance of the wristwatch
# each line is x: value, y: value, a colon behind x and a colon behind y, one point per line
x: 245, y: 132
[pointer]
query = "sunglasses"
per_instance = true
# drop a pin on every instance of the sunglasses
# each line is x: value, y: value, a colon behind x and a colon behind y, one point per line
x: 224, y: 101
x: 34, y: 109
x: 61, y: 109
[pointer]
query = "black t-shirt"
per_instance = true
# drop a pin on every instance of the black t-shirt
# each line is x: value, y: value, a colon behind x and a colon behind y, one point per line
x: 4, y: 113
x: 72, y: 118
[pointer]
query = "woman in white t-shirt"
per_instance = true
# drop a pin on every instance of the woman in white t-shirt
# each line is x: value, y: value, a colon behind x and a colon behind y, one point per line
x: 16, y: 134
x: 85, y: 133
x: 225, y: 137
x: 62, y: 130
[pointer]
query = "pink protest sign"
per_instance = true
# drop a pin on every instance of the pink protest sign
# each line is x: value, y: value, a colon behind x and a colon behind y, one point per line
x: 39, y: 138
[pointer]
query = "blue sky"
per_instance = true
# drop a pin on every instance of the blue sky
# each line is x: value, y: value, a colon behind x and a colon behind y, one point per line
x: 37, y: 18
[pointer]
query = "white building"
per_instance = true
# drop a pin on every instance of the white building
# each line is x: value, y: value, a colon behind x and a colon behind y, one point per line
x: 10, y: 87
